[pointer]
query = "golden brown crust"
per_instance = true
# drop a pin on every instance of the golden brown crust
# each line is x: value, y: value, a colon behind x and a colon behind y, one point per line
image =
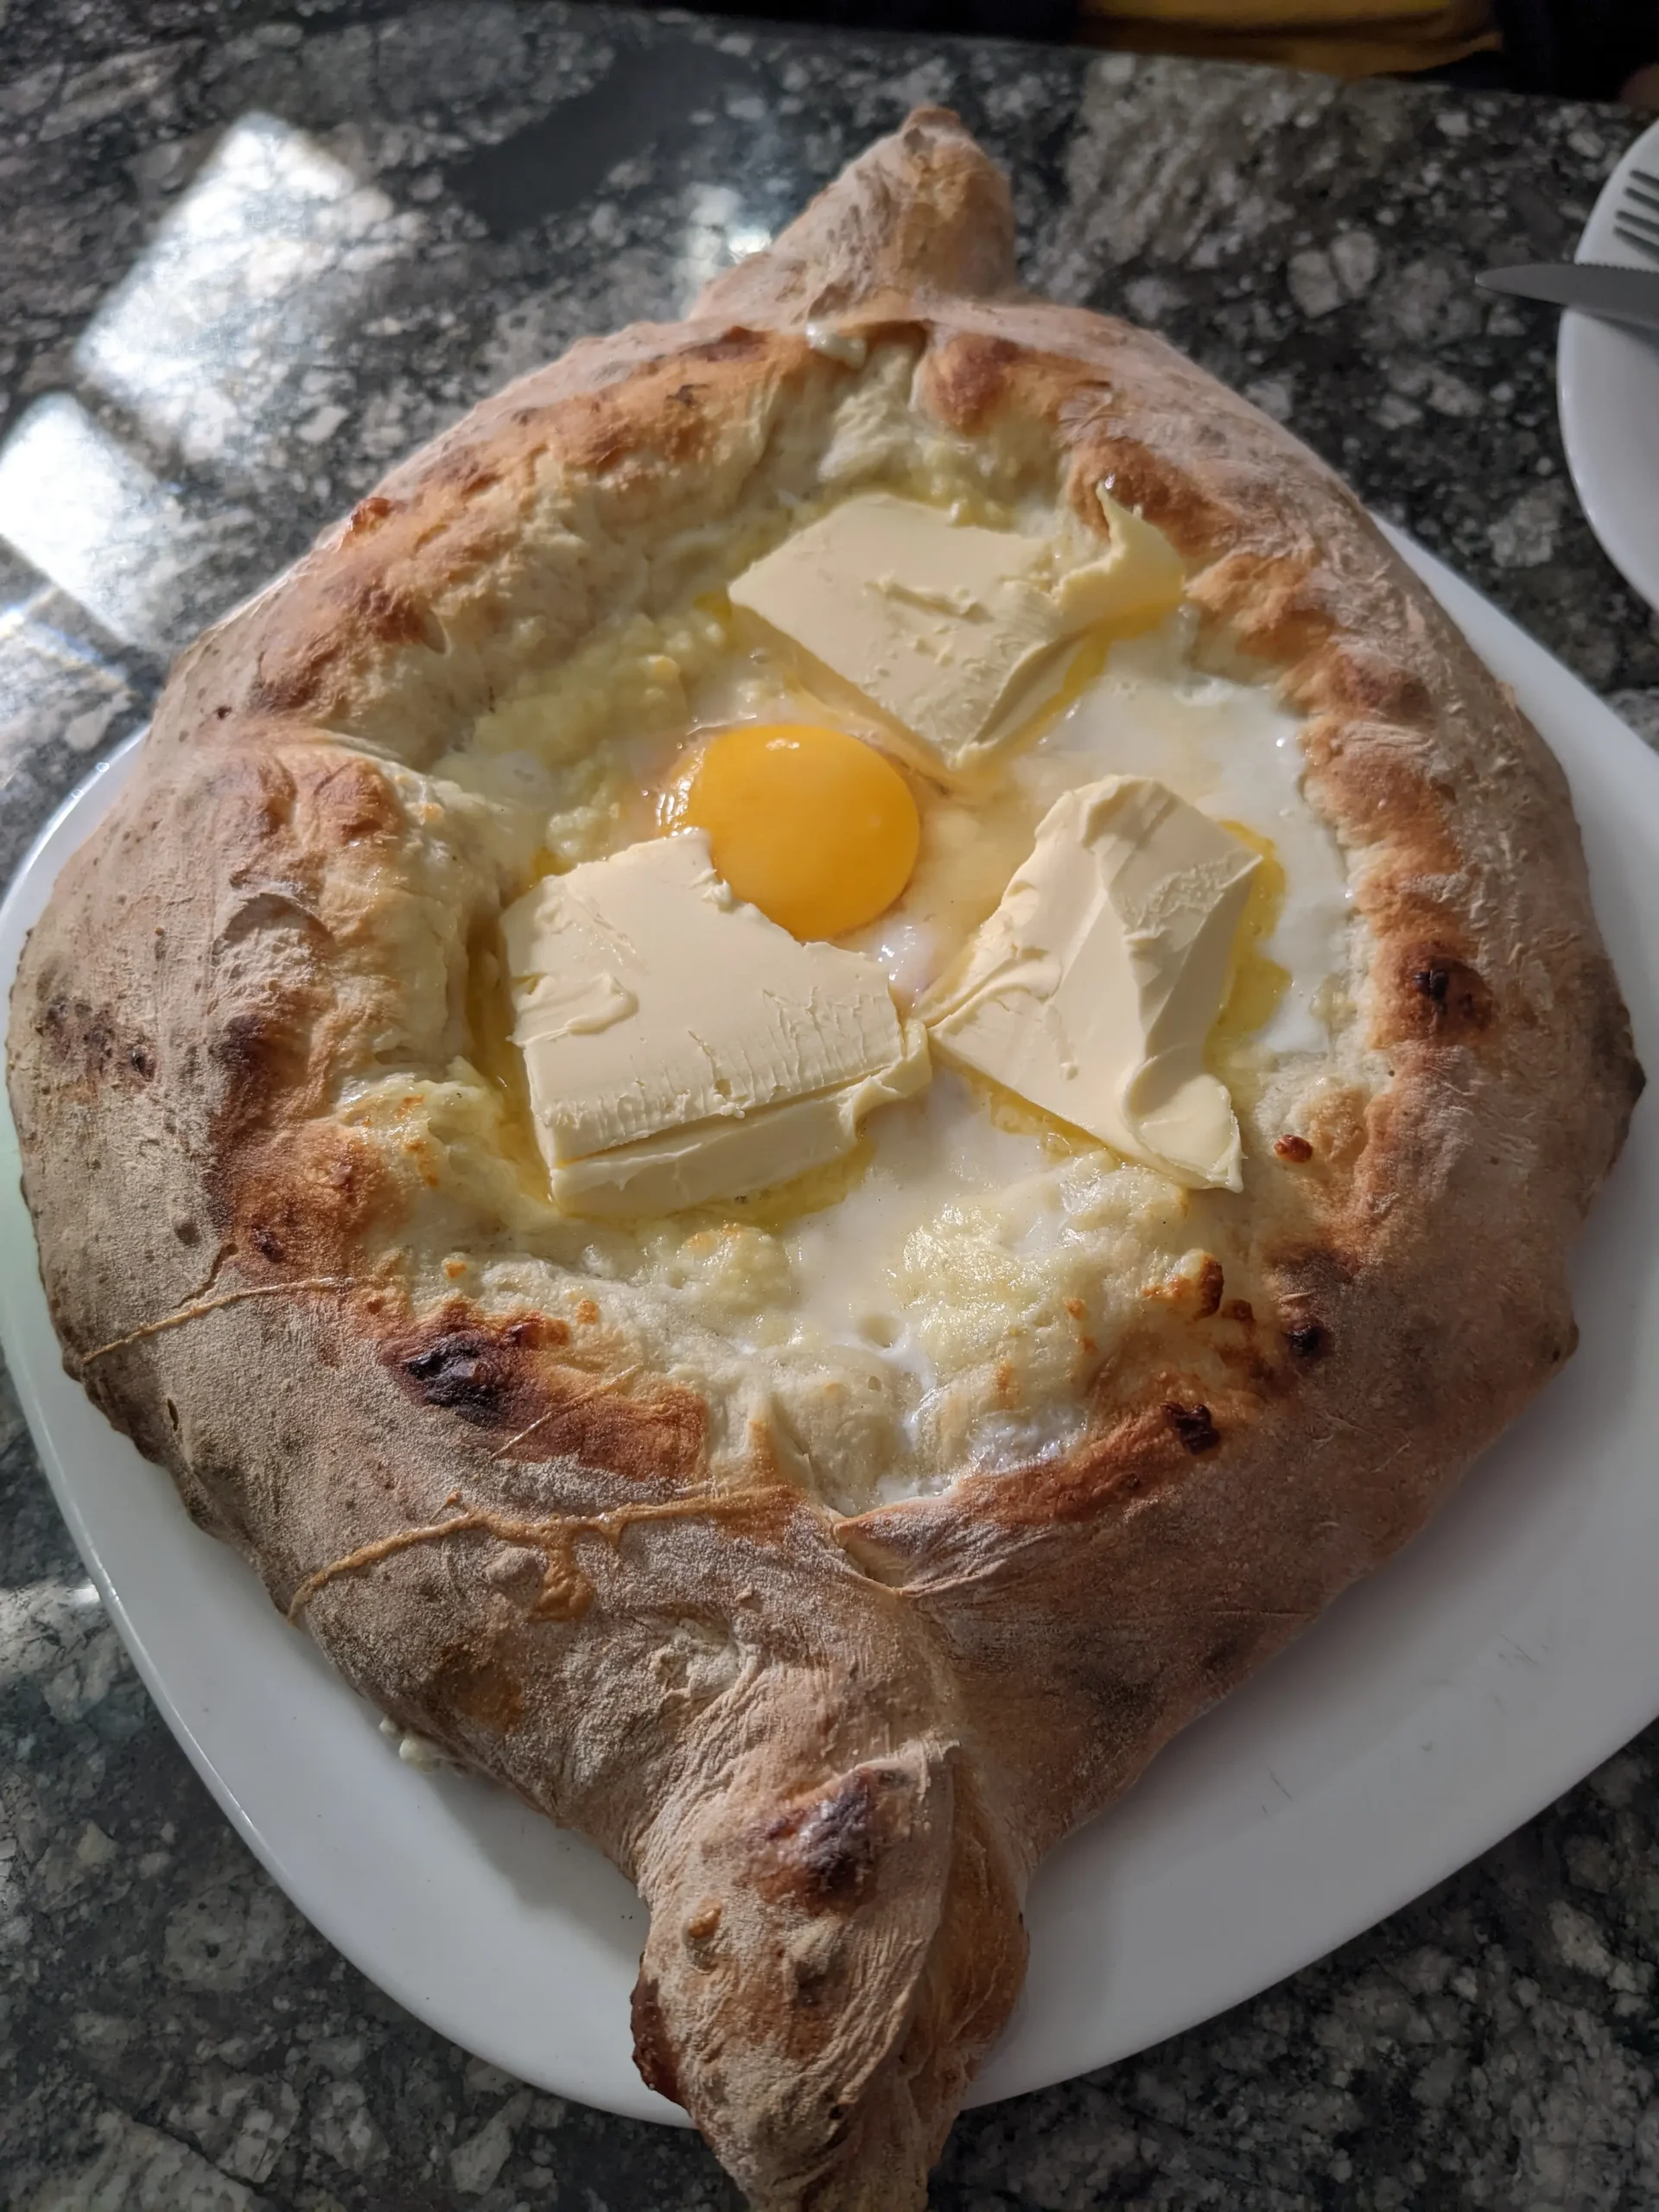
x: 829, y: 1751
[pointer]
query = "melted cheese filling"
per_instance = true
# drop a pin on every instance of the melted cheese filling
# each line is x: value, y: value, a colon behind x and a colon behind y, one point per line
x: 945, y: 1294
x: 844, y: 1260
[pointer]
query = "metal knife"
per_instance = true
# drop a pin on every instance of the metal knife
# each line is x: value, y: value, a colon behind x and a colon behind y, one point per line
x: 1593, y: 287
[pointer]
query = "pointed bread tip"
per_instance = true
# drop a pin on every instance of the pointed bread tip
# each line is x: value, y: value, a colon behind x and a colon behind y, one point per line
x: 923, y: 214
x: 826, y: 1968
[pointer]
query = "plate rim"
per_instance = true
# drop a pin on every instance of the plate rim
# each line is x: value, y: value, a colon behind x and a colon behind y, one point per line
x: 1580, y: 343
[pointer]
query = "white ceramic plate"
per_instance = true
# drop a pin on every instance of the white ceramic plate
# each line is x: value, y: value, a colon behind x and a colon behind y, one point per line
x: 1609, y: 385
x: 1506, y: 1653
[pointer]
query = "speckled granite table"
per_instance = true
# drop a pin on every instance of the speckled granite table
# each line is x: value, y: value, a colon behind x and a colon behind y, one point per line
x: 250, y: 255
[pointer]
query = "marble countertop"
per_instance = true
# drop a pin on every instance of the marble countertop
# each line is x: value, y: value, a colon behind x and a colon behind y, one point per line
x: 253, y: 252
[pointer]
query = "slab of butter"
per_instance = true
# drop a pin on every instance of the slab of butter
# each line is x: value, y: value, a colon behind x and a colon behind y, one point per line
x: 1092, y: 988
x: 681, y: 1047
x: 941, y: 626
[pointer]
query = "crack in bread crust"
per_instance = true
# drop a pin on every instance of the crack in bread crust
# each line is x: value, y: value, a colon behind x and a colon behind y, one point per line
x: 830, y: 1750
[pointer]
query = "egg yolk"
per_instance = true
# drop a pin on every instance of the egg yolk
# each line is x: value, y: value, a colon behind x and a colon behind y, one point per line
x: 810, y: 825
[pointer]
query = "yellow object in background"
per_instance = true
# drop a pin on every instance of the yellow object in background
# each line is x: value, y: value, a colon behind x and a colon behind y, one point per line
x: 1344, y: 38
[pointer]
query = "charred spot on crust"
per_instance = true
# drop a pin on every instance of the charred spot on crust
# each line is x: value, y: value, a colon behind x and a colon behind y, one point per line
x: 1193, y: 1425
x: 1294, y: 1148
x: 1211, y: 1280
x: 1314, y: 1285
x: 466, y: 1372
x: 86, y: 1042
x: 825, y: 1854
x: 1446, y: 996
x: 836, y: 1843
x: 69, y: 1026
x: 653, y: 2054
x: 507, y: 1375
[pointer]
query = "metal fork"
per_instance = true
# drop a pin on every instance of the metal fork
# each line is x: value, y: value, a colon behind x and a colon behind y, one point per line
x: 1637, y: 220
